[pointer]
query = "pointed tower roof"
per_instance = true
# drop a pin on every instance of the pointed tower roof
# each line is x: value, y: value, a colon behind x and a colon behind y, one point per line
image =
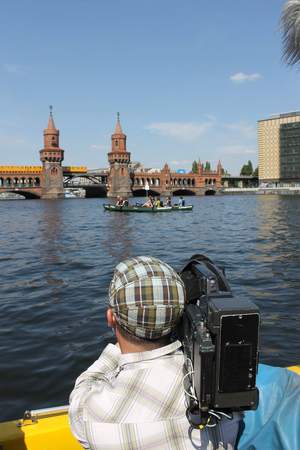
x: 118, y: 129
x: 200, y: 167
x: 51, y: 124
x: 219, y: 167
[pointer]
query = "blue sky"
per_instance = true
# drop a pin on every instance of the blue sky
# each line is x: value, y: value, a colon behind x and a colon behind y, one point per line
x: 189, y: 77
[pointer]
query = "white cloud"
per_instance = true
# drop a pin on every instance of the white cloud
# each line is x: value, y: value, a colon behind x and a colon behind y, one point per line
x: 11, y: 68
x: 185, y: 131
x: 242, y: 128
x: 237, y: 150
x: 241, y: 77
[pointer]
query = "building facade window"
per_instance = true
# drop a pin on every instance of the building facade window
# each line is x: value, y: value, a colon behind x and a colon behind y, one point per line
x: 289, y: 157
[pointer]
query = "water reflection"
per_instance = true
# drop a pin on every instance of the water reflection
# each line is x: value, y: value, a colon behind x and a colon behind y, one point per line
x: 277, y: 280
x: 279, y: 230
x: 51, y: 230
x: 57, y: 261
x: 119, y: 234
x: 51, y: 246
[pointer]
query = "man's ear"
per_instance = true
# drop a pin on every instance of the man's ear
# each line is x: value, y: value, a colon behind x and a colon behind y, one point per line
x: 110, y: 317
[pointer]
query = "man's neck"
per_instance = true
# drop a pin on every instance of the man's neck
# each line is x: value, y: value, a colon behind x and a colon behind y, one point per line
x: 132, y: 347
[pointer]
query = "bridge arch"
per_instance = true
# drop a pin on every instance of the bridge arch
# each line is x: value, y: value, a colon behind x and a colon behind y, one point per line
x: 210, y: 192
x: 183, y: 192
x: 142, y: 193
x: 93, y: 191
x: 27, y: 194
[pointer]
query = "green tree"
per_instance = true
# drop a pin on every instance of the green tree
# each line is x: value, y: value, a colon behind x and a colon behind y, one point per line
x: 244, y: 170
x: 255, y: 173
x: 195, y: 167
x: 247, y: 169
x: 250, y: 167
x: 207, y: 166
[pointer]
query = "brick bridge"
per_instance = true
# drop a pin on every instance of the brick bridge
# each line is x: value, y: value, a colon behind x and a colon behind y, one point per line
x: 121, y: 178
x: 126, y: 181
x: 28, y: 180
x: 23, y: 180
x: 159, y: 182
x: 49, y: 179
x: 166, y: 182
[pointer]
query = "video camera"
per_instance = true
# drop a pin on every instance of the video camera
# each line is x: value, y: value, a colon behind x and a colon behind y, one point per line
x: 219, y: 334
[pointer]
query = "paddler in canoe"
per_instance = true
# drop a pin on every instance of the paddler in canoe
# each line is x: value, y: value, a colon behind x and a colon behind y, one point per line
x: 159, y: 203
x: 181, y: 202
x: 168, y: 201
x: 121, y: 202
x: 149, y: 203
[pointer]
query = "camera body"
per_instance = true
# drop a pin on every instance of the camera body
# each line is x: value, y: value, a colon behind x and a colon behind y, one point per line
x: 220, y: 340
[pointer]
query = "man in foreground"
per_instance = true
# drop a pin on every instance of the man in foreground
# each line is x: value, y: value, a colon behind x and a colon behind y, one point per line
x: 132, y: 397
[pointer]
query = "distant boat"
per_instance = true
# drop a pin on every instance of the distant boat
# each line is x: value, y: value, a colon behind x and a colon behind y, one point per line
x: 11, y: 196
x: 139, y: 209
x: 144, y: 209
x: 74, y: 193
x: 70, y: 194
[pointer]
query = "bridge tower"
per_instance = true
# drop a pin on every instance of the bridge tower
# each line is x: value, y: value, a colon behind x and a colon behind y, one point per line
x: 52, y: 156
x: 119, y: 181
x: 219, y: 168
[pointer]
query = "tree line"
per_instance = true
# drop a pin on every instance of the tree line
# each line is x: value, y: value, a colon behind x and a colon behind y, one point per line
x: 247, y: 169
x: 205, y: 166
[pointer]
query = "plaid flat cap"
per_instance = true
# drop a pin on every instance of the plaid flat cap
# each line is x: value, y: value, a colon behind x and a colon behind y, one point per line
x: 147, y: 297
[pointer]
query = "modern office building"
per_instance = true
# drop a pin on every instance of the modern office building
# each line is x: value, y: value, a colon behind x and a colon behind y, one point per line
x: 279, y: 149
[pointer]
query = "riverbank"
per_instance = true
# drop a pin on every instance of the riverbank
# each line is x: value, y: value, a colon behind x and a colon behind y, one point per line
x: 263, y: 191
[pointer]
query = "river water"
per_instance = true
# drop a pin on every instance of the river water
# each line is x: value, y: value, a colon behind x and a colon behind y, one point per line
x: 56, y: 261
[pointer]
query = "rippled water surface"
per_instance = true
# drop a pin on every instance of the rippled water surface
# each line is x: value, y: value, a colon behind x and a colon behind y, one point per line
x: 56, y: 261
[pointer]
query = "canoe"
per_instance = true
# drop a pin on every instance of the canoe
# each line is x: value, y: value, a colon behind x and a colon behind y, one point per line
x: 48, y: 429
x: 139, y: 209
x: 182, y: 208
x: 135, y: 208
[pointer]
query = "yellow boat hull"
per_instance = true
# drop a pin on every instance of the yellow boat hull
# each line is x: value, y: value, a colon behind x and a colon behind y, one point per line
x: 295, y: 369
x: 47, y: 433
x: 45, y: 430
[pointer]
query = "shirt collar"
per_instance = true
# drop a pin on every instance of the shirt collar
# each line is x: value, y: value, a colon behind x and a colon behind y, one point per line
x: 127, y: 358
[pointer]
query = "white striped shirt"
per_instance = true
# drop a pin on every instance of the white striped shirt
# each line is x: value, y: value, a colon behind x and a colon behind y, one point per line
x: 134, y: 401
